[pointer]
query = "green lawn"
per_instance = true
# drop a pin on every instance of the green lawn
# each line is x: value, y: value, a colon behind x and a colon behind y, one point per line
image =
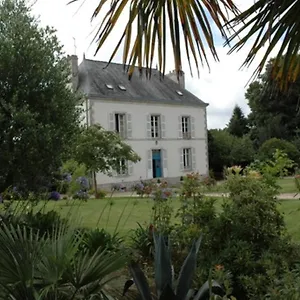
x: 130, y: 211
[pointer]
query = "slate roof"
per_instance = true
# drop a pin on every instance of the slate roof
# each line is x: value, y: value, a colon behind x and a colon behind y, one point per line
x: 93, y: 77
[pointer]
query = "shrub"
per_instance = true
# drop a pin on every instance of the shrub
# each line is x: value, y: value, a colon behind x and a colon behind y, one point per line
x: 100, y: 194
x: 93, y: 240
x: 54, y: 196
x: 268, y: 148
x: 142, y: 241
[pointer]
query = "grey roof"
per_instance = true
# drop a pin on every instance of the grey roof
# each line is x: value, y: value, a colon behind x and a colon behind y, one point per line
x: 93, y: 77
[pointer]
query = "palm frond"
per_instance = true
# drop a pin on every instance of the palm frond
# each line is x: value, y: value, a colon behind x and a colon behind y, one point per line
x: 275, y: 22
x: 157, y: 21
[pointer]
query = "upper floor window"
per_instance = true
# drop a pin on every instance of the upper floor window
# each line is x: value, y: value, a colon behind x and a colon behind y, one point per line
x: 155, y: 126
x: 187, y: 158
x: 186, y: 127
x: 120, y: 124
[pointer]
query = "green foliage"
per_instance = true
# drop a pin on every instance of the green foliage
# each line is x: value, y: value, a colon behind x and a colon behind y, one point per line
x: 39, y: 114
x: 268, y: 148
x: 101, y: 194
x: 166, y: 287
x: 101, y: 150
x: 52, y: 267
x: 238, y: 124
x: 274, y: 112
x: 142, y: 242
x: 93, y: 240
x: 225, y: 149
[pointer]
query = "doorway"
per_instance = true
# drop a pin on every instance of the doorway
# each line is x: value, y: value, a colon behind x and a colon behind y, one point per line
x: 156, y: 163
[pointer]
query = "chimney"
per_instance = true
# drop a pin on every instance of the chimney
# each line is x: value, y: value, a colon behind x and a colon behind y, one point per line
x: 181, y: 81
x: 74, y: 71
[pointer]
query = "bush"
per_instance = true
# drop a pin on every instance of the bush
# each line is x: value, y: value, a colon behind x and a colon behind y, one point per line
x: 100, y: 239
x: 100, y: 194
x: 268, y: 148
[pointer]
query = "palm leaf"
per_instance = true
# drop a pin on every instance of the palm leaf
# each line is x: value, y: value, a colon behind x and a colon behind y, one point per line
x: 156, y: 21
x: 274, y: 22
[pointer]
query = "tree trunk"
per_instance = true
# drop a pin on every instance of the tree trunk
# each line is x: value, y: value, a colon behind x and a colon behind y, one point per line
x: 95, y: 183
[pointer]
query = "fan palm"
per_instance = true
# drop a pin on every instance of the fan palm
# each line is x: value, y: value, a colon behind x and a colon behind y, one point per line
x: 44, y: 267
x: 157, y: 21
x: 275, y: 22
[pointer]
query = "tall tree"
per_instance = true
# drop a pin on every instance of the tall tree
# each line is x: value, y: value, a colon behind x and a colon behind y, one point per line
x: 238, y: 124
x: 38, y: 112
x: 274, y: 112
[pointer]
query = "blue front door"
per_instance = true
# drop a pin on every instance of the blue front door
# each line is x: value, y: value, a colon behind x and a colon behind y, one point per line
x: 156, y: 163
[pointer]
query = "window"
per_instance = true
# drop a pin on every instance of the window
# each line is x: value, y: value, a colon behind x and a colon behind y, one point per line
x: 122, y: 169
x: 120, y: 121
x: 187, y: 158
x: 155, y: 126
x: 186, y: 127
x: 179, y: 93
x: 122, y: 87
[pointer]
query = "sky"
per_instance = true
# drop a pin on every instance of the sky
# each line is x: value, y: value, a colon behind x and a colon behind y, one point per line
x: 222, y: 87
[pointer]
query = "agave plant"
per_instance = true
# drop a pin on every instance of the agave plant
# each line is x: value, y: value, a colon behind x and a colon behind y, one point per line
x: 166, y: 287
x: 34, y: 266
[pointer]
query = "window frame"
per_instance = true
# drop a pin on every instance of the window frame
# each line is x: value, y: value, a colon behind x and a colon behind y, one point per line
x: 123, y: 167
x: 186, y: 127
x: 123, y: 133
x: 187, y: 158
x: 155, y: 130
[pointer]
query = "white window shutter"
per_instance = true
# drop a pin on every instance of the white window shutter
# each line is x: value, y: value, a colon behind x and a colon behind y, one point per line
x: 163, y: 126
x: 129, y: 126
x: 180, y: 127
x: 149, y: 126
x: 165, y: 163
x: 149, y: 164
x: 111, y: 125
x: 181, y: 159
x: 194, y: 159
x: 130, y: 167
x: 192, y: 127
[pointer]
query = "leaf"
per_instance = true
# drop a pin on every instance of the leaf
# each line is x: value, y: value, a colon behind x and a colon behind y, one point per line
x: 162, y: 262
x: 140, y: 281
x: 155, y: 21
x: 188, y: 268
x: 276, y: 23
x: 204, y: 291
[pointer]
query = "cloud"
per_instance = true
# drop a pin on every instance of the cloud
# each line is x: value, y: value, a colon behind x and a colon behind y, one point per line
x: 222, y: 87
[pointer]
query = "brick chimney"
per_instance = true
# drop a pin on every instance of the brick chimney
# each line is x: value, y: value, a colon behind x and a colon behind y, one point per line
x: 74, y: 71
x: 181, y: 80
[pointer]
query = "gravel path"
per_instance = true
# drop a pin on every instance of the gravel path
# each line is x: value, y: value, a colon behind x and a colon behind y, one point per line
x: 286, y: 196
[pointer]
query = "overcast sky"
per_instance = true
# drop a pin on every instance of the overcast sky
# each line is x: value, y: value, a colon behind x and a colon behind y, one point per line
x: 222, y: 87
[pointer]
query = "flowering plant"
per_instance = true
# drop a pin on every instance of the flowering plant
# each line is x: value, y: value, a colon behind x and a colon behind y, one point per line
x: 54, y: 195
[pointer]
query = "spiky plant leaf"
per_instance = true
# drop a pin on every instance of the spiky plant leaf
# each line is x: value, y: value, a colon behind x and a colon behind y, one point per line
x: 140, y: 281
x: 207, y: 287
x: 162, y: 264
x: 187, y: 271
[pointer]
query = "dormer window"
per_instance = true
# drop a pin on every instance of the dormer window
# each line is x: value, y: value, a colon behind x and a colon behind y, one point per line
x: 179, y: 93
x: 122, y: 87
x: 109, y: 86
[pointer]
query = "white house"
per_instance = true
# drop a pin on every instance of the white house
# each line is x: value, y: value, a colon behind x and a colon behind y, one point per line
x: 163, y: 122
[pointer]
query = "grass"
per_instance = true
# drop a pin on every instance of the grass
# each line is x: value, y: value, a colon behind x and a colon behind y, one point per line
x: 123, y: 214
x: 287, y: 185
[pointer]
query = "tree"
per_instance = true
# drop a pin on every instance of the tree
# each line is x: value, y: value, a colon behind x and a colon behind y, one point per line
x: 225, y: 150
x: 238, y: 125
x: 276, y: 23
x: 101, y: 151
x: 38, y: 112
x: 157, y: 21
x: 269, y: 147
x: 274, y: 112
